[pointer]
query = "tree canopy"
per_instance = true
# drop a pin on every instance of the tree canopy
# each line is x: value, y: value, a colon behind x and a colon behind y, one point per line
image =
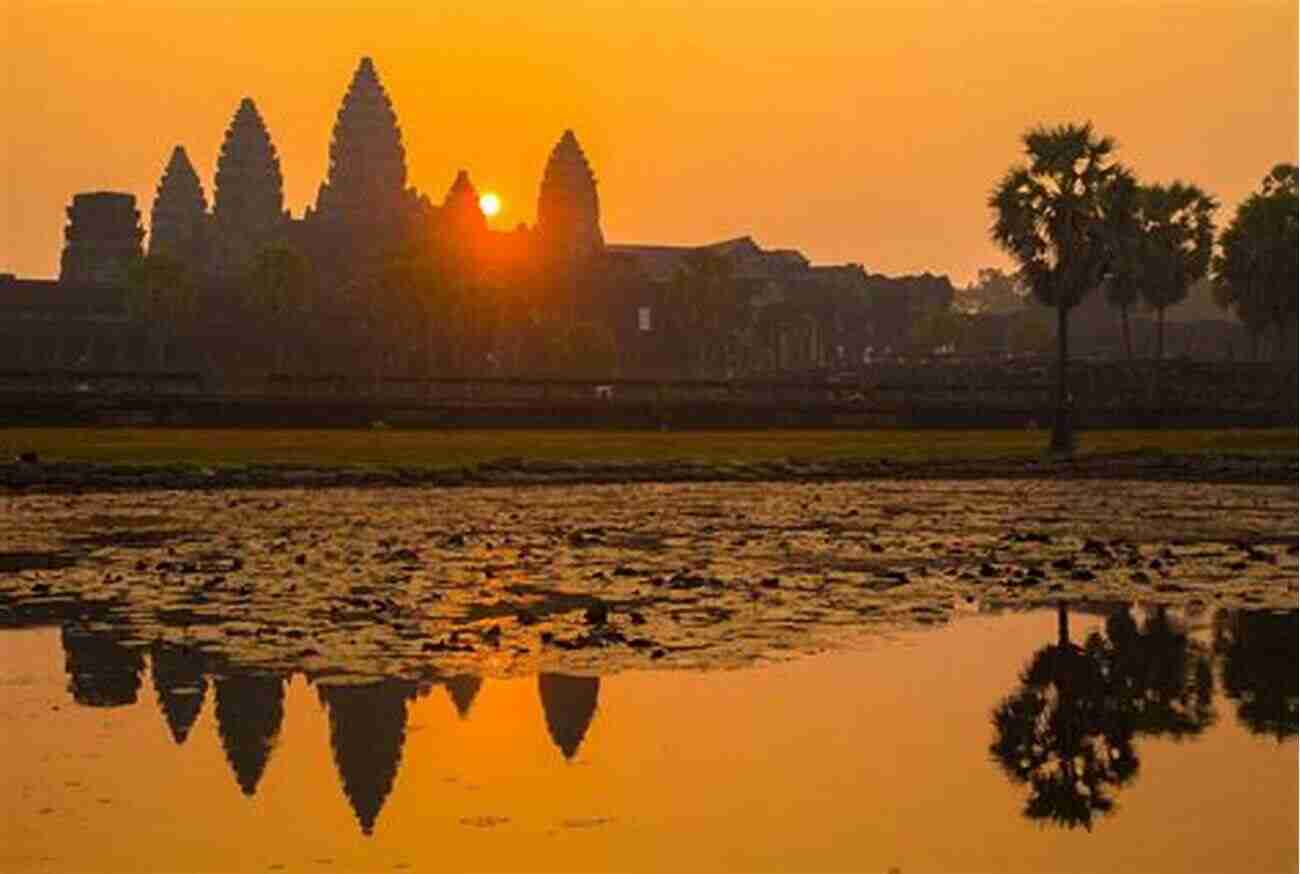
x: 1255, y: 273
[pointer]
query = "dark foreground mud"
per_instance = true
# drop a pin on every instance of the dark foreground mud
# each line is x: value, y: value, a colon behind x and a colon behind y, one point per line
x: 1144, y: 466
x: 509, y: 581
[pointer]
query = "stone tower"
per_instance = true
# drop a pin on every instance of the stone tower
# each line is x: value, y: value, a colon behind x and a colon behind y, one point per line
x: 568, y: 209
x: 102, y: 237
x: 248, y: 198
x: 366, y: 186
x: 461, y: 215
x: 177, y: 223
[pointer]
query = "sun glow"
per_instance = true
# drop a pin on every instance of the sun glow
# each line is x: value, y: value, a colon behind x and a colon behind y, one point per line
x: 490, y: 204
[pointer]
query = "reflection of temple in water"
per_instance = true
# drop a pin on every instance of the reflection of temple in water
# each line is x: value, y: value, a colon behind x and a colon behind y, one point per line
x: 569, y: 704
x: 367, y: 733
x: 250, y: 709
x: 463, y: 689
x: 101, y: 672
x: 178, y: 679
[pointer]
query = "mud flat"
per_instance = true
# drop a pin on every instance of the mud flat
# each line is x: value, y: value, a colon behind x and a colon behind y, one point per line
x: 508, y: 581
x: 1149, y: 466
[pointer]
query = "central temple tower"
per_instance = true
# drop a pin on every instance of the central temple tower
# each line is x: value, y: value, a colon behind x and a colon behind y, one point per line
x: 366, y: 186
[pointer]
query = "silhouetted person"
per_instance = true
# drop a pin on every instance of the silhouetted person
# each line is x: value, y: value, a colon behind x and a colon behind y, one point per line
x: 569, y: 704
x: 178, y: 679
x: 367, y: 732
x: 463, y: 689
x: 1064, y: 733
x: 1258, y: 668
x: 101, y: 672
x: 250, y: 709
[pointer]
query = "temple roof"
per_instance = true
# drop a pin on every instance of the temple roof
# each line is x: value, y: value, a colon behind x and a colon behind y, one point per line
x: 750, y: 261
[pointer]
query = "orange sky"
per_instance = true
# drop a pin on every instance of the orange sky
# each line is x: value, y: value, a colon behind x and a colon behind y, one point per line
x: 856, y: 131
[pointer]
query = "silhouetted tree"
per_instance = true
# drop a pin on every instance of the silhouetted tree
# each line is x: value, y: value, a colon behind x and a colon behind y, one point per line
x: 994, y: 292
x: 569, y: 704
x: 160, y: 293
x: 1064, y: 733
x: 1176, y: 224
x: 1059, y: 216
x: 1030, y: 331
x: 1259, y: 668
x: 249, y: 711
x: 179, y: 682
x: 1256, y: 272
x: 1160, y: 673
x: 367, y: 733
x: 279, y: 289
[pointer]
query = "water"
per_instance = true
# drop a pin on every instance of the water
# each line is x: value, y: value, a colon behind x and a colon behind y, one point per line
x: 939, y: 750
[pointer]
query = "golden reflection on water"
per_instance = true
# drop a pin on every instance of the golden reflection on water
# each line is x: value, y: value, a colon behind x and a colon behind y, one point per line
x: 862, y: 761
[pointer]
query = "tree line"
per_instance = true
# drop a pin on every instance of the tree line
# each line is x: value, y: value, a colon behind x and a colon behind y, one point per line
x: 1077, y: 222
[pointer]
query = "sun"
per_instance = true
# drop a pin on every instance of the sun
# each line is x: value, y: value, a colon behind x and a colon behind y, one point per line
x: 490, y: 204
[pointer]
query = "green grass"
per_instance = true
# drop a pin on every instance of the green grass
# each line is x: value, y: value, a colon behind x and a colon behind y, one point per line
x: 457, y: 448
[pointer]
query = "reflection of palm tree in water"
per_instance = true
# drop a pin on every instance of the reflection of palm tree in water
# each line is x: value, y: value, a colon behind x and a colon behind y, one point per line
x: 249, y: 711
x: 1259, y: 668
x: 1068, y: 730
x: 463, y: 689
x: 178, y: 679
x: 367, y: 733
x: 1061, y: 733
x: 569, y: 704
x: 101, y: 672
x: 1161, y: 673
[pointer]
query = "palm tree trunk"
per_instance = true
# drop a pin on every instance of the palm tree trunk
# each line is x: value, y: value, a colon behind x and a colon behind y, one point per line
x: 1062, y: 438
x: 1062, y: 625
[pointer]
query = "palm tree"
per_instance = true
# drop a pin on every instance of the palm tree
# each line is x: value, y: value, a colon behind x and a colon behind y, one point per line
x: 1176, y: 223
x: 1059, y: 215
x: 1256, y: 272
x: 1062, y: 733
x: 1259, y: 670
x: 1161, y: 674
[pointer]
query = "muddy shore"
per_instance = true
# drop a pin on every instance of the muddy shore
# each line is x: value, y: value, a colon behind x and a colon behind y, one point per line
x: 504, y: 581
x: 65, y: 476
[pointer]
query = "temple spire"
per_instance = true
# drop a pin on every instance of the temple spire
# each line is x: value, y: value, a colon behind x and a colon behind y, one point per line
x: 569, y: 705
x: 461, y: 214
x: 367, y: 171
x: 179, y: 213
x: 248, y: 198
x: 568, y: 208
x: 367, y: 733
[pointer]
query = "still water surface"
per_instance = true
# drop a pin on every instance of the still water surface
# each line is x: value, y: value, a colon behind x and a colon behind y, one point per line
x: 1142, y: 742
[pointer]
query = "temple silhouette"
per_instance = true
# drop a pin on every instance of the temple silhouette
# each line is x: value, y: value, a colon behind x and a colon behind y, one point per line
x: 367, y: 733
x: 569, y: 704
x: 1068, y: 731
x: 249, y: 710
x: 181, y: 685
x: 376, y: 274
